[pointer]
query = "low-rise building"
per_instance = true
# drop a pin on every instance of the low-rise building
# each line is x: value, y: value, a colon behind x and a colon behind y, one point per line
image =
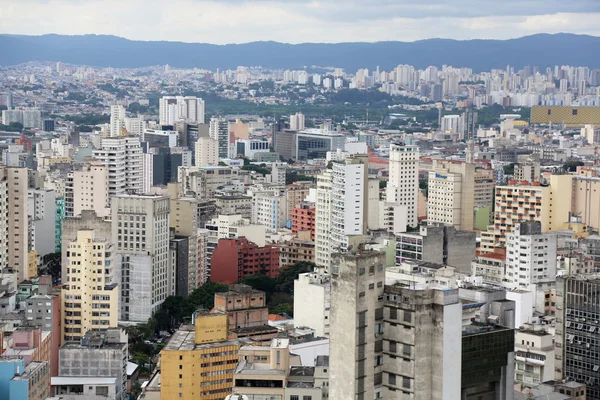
x: 234, y: 259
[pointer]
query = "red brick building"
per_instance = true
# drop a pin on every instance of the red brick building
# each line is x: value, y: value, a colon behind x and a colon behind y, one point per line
x: 234, y: 259
x: 303, y: 219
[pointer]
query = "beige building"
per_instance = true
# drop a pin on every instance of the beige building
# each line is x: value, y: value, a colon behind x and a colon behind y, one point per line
x: 87, y: 189
x: 239, y: 129
x: 528, y: 171
x: 14, y: 227
x: 207, y: 152
x: 204, y: 181
x: 524, y: 201
x: 90, y: 296
x: 451, y: 194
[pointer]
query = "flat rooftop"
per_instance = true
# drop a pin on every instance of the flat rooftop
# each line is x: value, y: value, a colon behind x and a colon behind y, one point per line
x: 185, y: 339
x: 81, y: 380
x: 476, y: 329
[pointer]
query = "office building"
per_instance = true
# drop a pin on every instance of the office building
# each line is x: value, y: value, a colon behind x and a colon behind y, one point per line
x: 176, y: 108
x: 123, y: 158
x: 161, y: 165
x: 100, y: 354
x: 234, y: 259
x: 577, y: 332
x: 229, y: 205
x: 140, y: 231
x: 297, y: 122
x: 117, y: 120
x: 48, y: 125
x: 451, y: 192
x: 207, y: 152
x: 403, y: 183
x: 284, y: 143
x: 219, y: 131
x: 251, y: 147
x: 135, y: 126
x: 90, y: 296
x: 530, y: 256
x: 315, y: 143
x: 571, y: 116
x: 161, y: 138
x: 199, y: 361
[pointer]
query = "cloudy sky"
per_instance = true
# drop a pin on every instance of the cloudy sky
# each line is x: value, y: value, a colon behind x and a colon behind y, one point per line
x: 297, y: 21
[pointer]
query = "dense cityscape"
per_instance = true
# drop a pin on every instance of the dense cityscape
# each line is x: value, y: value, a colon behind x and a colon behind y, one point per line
x: 299, y: 234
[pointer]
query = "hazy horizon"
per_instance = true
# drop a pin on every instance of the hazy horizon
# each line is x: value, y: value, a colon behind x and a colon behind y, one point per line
x: 300, y: 21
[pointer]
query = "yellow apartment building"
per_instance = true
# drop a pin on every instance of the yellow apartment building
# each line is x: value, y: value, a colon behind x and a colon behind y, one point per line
x: 90, y: 298
x: 199, y: 361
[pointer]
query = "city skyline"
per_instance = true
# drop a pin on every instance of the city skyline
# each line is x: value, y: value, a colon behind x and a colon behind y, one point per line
x: 236, y: 21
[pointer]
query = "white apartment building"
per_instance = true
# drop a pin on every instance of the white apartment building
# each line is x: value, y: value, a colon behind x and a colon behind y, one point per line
x: 403, y: 183
x: 530, y: 256
x: 312, y: 302
x: 175, y: 108
x: 41, y: 207
x: 341, y: 215
x: 135, y: 126
x: 87, y: 189
x: 278, y: 172
x: 534, y: 355
x: 297, y: 122
x: 453, y: 124
x: 207, y: 152
x: 90, y: 296
x: 140, y: 230
x: 270, y: 209
x: 123, y: 158
x: 117, y: 120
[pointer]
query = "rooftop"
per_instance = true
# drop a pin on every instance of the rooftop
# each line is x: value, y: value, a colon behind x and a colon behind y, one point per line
x: 478, y: 328
x: 185, y: 339
x: 81, y: 380
x: 322, y: 361
x: 302, y: 371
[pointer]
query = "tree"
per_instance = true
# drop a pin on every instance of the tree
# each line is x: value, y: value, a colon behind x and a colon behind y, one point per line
x: 283, y: 308
x: 136, y: 389
x: 203, y: 297
x: 289, y: 273
x: 261, y: 282
x: 51, y: 264
x: 509, y: 169
x: 571, y: 166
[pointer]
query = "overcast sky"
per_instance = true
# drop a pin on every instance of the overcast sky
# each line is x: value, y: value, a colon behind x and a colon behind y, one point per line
x: 297, y: 21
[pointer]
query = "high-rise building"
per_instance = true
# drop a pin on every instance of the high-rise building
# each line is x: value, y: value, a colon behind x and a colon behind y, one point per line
x: 577, y: 332
x: 451, y: 192
x: 117, y: 120
x: 454, y: 124
x: 219, y: 131
x: 41, y: 206
x: 297, y: 122
x: 87, y: 189
x: 9, y: 101
x: 270, y: 209
x: 530, y: 256
x: 32, y: 118
x: 176, y: 108
x: 341, y: 212
x: 123, y: 158
x: 524, y: 201
x: 356, y: 326
x: 14, y: 226
x: 135, y: 126
x: 207, y: 152
x: 90, y: 296
x: 140, y: 231
x: 403, y: 183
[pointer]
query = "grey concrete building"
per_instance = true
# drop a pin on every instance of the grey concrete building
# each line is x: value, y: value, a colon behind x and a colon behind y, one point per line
x: 101, y: 354
x: 234, y: 205
x: 356, y: 332
x: 421, y: 343
x: 438, y: 244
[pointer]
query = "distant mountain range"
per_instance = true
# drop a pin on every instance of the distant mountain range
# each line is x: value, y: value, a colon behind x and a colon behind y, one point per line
x: 541, y: 50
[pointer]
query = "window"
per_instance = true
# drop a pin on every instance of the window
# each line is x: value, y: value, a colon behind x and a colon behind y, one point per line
x: 392, y: 379
x: 294, y: 397
x: 407, y: 316
x: 393, y: 313
x: 392, y: 347
x: 306, y: 397
x: 574, y: 112
x: 405, y: 382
